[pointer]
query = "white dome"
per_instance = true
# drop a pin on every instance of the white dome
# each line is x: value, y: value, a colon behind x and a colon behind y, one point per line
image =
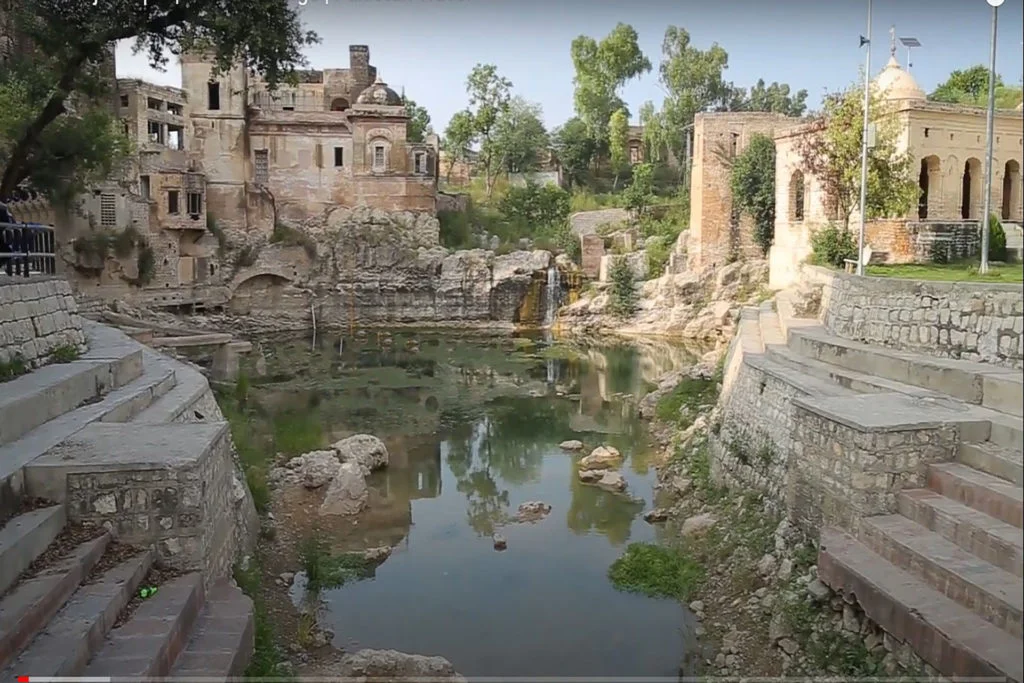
x: 896, y: 84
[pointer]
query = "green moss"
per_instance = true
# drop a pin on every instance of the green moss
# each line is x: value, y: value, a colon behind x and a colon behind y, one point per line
x: 656, y: 571
x: 681, y: 405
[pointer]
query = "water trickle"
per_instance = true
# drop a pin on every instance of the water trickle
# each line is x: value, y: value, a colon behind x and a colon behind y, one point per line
x: 552, y: 295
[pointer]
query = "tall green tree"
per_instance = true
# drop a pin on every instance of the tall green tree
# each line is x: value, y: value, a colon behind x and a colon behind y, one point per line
x: 970, y: 86
x: 775, y: 98
x: 419, y: 121
x: 655, y: 135
x: 753, y: 187
x: 602, y: 68
x: 458, y: 137
x: 489, y: 96
x: 520, y: 137
x: 832, y: 154
x: 71, y: 41
x: 575, y: 149
x: 618, y: 143
x: 641, y: 189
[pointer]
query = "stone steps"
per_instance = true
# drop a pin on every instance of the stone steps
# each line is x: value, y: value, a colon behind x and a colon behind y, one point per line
x: 947, y: 635
x: 970, y: 529
x: 993, y: 459
x: 174, y: 406
x: 24, y: 538
x: 978, y: 490
x: 32, y: 603
x: 151, y: 640
x: 78, y: 630
x: 996, y: 595
x: 222, y: 642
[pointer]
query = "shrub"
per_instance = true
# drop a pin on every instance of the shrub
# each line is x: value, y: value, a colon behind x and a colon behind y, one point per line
x: 659, y: 249
x: 996, y: 240
x: 682, y: 405
x: 456, y: 229
x: 9, y: 369
x: 65, y: 353
x: 656, y: 571
x: 246, y: 256
x: 832, y: 245
x: 623, y: 289
x: 146, y: 263
x: 638, y: 195
x: 535, y: 205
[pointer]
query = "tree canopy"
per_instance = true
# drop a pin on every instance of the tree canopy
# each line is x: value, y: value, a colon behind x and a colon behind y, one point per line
x: 520, y: 137
x: 753, y: 186
x: 69, y: 42
x: 575, y: 149
x: 970, y: 86
x: 489, y: 97
x: 419, y: 121
x: 458, y: 137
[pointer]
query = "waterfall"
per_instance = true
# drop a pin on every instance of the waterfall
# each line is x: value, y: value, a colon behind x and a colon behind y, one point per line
x: 552, y: 294
x: 552, y: 371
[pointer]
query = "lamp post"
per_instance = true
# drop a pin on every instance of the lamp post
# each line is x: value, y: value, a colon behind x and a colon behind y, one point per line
x: 987, y: 203
x: 864, y: 146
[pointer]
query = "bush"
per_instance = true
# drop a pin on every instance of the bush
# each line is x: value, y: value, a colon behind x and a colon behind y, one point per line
x: 656, y: 571
x: 996, y: 240
x: 536, y: 205
x: 456, y: 229
x: 638, y: 195
x: 659, y: 249
x: 146, y: 263
x: 623, y: 289
x: 65, y: 353
x: 832, y: 245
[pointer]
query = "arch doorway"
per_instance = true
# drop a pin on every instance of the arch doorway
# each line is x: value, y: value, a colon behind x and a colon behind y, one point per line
x: 1011, y: 190
x: 927, y: 181
x: 339, y: 104
x: 970, y: 191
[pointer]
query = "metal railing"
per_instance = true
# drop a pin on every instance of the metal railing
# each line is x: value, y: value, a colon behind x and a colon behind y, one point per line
x: 27, y: 249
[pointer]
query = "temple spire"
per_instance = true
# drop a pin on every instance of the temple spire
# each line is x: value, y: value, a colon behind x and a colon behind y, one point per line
x: 892, y: 41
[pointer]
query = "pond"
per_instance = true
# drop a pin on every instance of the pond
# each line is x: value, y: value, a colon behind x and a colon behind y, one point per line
x: 473, y: 426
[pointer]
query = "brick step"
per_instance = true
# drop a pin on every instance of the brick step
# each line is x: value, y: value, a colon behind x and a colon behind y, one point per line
x: 978, y: 383
x: 222, y: 642
x: 77, y: 631
x: 850, y: 379
x: 970, y: 529
x: 32, y: 603
x: 993, y: 459
x: 189, y: 388
x: 947, y: 635
x: 24, y: 538
x: 978, y: 490
x: 996, y: 595
x: 149, y: 643
x: 119, y: 405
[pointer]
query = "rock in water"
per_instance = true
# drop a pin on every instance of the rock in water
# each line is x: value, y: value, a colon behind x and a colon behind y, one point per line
x: 377, y: 555
x: 571, y: 445
x: 613, y: 481
x: 601, y: 458
x: 591, y: 476
x: 499, y: 542
x: 533, y: 511
x: 655, y: 515
x: 317, y: 468
x: 391, y: 665
x: 347, y: 493
x: 365, y: 450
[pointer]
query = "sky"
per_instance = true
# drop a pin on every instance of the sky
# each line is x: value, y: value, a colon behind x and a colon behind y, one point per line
x: 428, y: 47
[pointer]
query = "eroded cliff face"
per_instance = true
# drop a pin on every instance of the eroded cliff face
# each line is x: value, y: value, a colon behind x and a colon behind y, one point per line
x: 363, y: 267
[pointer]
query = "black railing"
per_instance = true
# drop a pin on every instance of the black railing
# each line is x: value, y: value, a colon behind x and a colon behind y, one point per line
x: 27, y: 249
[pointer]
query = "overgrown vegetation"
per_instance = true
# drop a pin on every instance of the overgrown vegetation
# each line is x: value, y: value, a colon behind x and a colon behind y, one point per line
x: 996, y: 240
x: 246, y: 256
x: 325, y: 570
x: 832, y: 245
x: 622, y: 293
x: 828, y: 649
x: 656, y: 571
x: 682, y: 405
x: 658, y: 249
x: 753, y: 187
x: 293, y: 237
x: 65, y: 353
x: 13, y: 367
x: 218, y: 232
x: 266, y: 657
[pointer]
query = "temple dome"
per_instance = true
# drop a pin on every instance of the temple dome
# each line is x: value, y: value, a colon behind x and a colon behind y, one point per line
x: 894, y: 83
x: 379, y: 93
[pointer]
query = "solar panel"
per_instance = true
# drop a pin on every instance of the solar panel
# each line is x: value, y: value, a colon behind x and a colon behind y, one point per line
x: 910, y: 42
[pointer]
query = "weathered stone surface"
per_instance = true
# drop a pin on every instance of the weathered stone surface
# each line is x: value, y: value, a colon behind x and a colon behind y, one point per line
x: 347, y: 494
x: 571, y: 445
x: 365, y: 450
x: 601, y: 458
x: 591, y: 476
x: 37, y: 317
x: 391, y: 665
x: 655, y: 515
x: 612, y: 481
x: 532, y: 511
x: 698, y: 524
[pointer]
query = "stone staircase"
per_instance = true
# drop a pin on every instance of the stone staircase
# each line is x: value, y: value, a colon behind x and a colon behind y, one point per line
x: 88, y: 516
x: 942, y: 571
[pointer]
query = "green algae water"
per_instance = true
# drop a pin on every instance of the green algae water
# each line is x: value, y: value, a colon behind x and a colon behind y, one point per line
x: 473, y: 426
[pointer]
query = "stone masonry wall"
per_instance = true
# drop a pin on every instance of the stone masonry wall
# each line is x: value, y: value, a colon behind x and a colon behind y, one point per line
x: 37, y: 316
x: 917, y: 242
x: 964, y: 320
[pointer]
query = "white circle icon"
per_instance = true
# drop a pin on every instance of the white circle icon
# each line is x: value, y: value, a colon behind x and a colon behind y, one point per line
x: 995, y: 3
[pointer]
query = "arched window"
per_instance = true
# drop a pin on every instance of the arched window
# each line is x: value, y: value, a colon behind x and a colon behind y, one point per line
x: 970, y: 190
x: 929, y: 172
x: 339, y: 104
x: 796, y: 196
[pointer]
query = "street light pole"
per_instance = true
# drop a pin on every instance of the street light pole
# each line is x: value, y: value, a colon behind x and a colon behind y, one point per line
x: 989, y: 124
x: 864, y: 147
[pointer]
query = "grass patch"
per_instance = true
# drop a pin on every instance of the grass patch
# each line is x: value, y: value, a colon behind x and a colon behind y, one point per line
x: 266, y: 657
x: 65, y: 353
x: 681, y: 405
x: 828, y: 649
x: 950, y: 272
x: 255, y: 457
x: 656, y: 571
x: 15, y: 367
x: 295, y: 433
x: 326, y: 570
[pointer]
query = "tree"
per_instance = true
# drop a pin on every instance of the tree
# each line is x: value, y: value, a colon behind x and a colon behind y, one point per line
x: 419, y: 121
x: 618, y: 142
x: 831, y: 152
x: 602, y: 68
x: 575, y: 149
x: 775, y: 98
x: 638, y: 195
x: 489, y: 96
x: 655, y: 134
x: 520, y: 137
x: 458, y: 136
x: 622, y: 295
x: 970, y: 86
x: 71, y: 39
x: 753, y: 187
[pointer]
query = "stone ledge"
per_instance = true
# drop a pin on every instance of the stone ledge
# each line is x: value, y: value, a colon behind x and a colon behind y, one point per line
x: 891, y: 412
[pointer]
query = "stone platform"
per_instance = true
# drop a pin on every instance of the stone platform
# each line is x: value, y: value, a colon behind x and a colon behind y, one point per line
x: 132, y: 444
x: 907, y: 468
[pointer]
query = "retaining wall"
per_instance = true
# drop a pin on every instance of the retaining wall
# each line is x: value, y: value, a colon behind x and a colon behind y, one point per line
x: 37, y: 315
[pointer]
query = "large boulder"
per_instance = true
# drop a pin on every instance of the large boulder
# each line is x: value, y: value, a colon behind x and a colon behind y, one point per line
x: 390, y: 665
x: 601, y: 458
x: 364, y: 450
x: 347, y: 493
x: 312, y: 470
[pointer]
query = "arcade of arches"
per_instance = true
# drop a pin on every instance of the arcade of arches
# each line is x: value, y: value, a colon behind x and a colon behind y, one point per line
x: 953, y: 190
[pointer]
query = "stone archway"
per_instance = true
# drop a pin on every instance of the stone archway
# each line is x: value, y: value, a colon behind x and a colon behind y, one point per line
x: 970, y: 190
x: 1011, y: 191
x: 339, y: 104
x: 260, y: 292
x: 928, y: 181
x: 796, y: 196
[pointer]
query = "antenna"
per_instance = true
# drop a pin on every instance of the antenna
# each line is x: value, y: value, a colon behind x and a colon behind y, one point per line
x: 909, y: 43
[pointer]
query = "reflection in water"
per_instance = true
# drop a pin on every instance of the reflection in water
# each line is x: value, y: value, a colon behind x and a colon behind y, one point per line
x: 473, y: 427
